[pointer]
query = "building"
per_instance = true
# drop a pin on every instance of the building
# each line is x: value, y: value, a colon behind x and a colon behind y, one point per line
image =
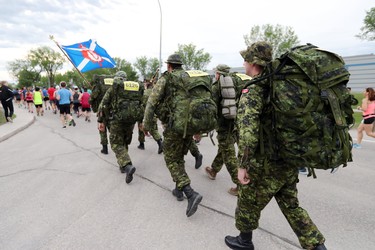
x: 362, y: 71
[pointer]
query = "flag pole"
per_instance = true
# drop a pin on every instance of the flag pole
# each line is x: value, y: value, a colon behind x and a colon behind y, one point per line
x: 58, y: 45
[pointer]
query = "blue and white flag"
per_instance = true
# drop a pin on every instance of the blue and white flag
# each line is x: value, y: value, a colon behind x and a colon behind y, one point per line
x: 88, y: 56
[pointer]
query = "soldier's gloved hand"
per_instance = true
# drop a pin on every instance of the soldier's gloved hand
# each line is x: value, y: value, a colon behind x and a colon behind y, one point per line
x: 101, y: 126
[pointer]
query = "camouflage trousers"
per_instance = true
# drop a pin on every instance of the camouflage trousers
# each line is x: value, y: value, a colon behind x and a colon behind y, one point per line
x: 281, y: 183
x: 175, y: 147
x: 103, y: 137
x: 194, y: 150
x: 153, y: 132
x: 120, y: 136
x: 226, y: 154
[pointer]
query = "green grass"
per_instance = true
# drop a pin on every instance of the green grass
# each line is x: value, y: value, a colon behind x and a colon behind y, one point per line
x: 357, y: 115
x: 357, y: 118
x: 2, y: 117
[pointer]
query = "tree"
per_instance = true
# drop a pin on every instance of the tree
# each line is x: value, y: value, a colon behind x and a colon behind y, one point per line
x: 48, y: 60
x: 24, y: 72
x: 121, y: 65
x: 146, y: 66
x: 193, y: 58
x: 141, y: 65
x: 368, y: 30
x: 153, y: 67
x: 280, y: 37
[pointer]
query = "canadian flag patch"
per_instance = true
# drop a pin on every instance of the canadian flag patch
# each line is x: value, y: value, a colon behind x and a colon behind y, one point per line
x: 244, y: 91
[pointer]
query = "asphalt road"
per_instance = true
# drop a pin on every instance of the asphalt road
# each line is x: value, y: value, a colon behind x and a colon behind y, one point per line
x: 57, y: 191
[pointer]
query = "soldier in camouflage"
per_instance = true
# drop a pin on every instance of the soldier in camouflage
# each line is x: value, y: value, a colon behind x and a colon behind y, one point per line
x: 263, y: 178
x: 120, y: 132
x: 154, y: 130
x: 175, y: 145
x: 226, y: 137
x: 96, y: 97
x: 194, y: 151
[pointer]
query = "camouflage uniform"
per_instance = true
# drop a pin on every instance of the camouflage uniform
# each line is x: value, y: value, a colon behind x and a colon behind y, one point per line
x: 96, y: 97
x: 103, y: 134
x: 194, y: 151
x: 154, y: 132
x: 226, y: 136
x: 120, y: 131
x: 268, y: 178
x: 175, y: 145
x: 154, y: 129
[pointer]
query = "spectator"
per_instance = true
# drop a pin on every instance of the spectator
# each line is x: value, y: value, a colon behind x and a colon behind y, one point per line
x: 6, y: 97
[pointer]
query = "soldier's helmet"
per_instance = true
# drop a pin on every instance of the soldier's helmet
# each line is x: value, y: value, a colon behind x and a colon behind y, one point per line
x: 174, y: 59
x: 121, y: 74
x: 258, y: 53
x: 222, y: 68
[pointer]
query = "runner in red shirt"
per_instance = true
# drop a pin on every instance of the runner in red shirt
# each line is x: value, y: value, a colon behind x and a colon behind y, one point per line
x: 51, y: 90
x: 86, y: 108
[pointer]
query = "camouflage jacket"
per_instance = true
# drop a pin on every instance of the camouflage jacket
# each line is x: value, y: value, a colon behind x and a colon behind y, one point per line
x: 104, y: 109
x: 251, y: 118
x: 156, y: 97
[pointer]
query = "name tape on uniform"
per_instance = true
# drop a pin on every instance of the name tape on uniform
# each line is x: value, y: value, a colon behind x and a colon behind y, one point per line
x: 243, y: 76
x: 131, y: 86
x: 108, y: 81
x: 196, y: 73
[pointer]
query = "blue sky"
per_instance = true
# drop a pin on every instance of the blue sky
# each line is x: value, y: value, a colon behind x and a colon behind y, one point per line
x: 131, y: 28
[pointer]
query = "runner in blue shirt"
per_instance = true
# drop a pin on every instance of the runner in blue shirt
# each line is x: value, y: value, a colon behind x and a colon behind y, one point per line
x: 65, y: 97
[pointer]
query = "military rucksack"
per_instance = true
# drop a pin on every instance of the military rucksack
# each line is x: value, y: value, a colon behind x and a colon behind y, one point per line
x: 192, y: 109
x: 127, y: 103
x: 230, y: 89
x: 101, y: 84
x: 311, y: 108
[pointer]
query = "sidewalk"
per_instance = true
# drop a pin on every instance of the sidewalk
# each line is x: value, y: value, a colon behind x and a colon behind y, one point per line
x: 23, y: 120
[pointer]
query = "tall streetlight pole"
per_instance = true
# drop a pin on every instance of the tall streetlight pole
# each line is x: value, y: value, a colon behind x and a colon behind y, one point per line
x: 160, y: 63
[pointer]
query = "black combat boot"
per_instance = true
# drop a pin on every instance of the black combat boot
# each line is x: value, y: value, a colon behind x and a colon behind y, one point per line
x: 198, y: 160
x: 122, y: 169
x: 141, y: 145
x: 193, y: 200
x: 104, y: 150
x: 129, y: 170
x: 240, y: 242
x: 178, y: 194
x: 160, y: 144
x: 320, y: 247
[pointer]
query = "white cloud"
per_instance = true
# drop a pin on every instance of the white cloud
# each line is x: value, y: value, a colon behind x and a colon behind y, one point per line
x: 129, y: 29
